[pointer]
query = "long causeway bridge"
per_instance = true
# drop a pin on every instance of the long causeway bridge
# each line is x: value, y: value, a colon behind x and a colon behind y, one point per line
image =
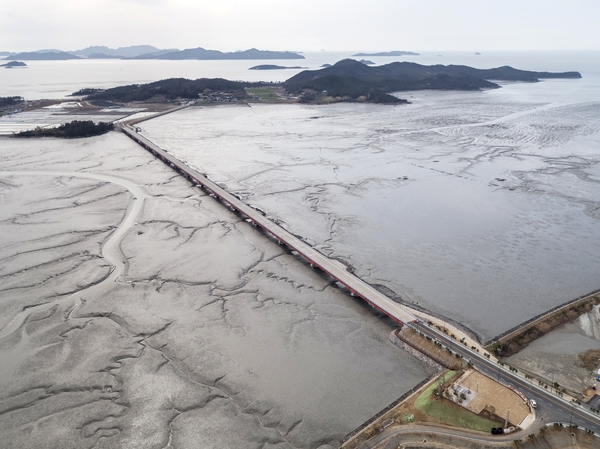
x: 357, y: 287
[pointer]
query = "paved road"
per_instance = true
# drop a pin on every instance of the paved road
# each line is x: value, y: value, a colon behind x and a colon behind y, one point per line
x: 550, y: 408
x: 416, y: 433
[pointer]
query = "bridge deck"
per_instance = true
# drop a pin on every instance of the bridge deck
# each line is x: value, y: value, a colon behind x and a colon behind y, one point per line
x: 355, y: 285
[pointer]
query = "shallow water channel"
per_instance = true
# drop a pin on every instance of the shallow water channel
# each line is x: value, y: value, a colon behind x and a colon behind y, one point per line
x: 483, y: 207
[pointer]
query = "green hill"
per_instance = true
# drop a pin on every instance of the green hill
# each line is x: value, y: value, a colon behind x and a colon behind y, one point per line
x: 353, y: 79
x: 169, y: 89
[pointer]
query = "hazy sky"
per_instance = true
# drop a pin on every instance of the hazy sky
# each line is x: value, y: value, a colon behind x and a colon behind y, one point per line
x: 302, y: 25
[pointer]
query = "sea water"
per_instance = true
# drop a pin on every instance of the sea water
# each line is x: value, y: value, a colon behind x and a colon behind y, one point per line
x: 479, y: 206
x: 57, y: 79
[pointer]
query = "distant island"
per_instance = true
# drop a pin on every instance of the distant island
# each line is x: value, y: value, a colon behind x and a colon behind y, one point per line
x: 388, y: 53
x: 351, y: 79
x: 75, y: 129
x: 347, y: 80
x: 43, y: 56
x: 366, y: 62
x: 149, y: 52
x: 102, y: 52
x: 203, y: 54
x: 103, y: 56
x: 273, y: 67
x: 11, y: 64
x: 170, y: 90
x: 86, y: 91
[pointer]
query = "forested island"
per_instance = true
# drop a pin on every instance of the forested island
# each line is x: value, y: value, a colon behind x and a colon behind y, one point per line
x: 10, y: 101
x: 172, y: 89
x: 86, y: 91
x: 77, y: 128
x: 347, y: 80
x: 11, y: 64
x: 353, y: 79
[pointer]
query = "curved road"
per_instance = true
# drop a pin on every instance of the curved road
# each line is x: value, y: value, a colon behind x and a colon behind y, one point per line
x: 551, y: 408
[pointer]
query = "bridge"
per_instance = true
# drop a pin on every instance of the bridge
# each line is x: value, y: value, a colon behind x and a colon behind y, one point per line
x: 552, y: 406
x: 357, y: 287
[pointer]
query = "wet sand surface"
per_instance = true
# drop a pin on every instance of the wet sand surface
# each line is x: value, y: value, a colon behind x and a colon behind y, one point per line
x: 555, y: 356
x: 138, y: 312
x: 482, y: 207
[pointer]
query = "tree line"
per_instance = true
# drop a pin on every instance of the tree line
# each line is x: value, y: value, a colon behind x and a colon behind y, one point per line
x: 77, y: 128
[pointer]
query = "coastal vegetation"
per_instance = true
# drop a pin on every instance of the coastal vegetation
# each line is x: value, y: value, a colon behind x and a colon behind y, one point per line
x: 437, y: 408
x: 589, y: 359
x: 402, y: 76
x: 171, y: 89
x: 74, y: 129
x: 348, y: 80
x: 86, y: 91
x: 10, y: 101
x: 344, y: 88
x: 353, y: 80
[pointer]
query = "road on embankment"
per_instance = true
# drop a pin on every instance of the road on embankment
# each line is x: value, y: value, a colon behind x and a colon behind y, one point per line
x: 550, y: 407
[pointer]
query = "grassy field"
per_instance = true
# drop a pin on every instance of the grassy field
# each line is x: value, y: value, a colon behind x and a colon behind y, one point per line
x: 450, y: 413
x: 264, y: 93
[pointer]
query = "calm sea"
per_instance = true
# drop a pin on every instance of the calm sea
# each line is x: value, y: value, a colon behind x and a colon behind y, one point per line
x: 57, y: 79
x: 481, y: 206
x: 410, y: 196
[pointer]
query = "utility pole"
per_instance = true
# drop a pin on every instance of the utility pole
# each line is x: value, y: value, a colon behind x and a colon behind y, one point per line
x: 506, y: 422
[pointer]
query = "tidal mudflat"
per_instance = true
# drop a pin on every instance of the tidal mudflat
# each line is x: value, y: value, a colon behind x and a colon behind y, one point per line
x: 482, y: 207
x: 139, y: 312
x: 556, y: 356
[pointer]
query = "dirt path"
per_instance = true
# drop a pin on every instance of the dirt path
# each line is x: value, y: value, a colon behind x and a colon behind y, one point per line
x: 111, y: 251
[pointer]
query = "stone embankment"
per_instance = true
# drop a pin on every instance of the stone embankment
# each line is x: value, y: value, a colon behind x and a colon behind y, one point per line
x: 356, y: 437
x: 517, y: 338
x: 399, y: 340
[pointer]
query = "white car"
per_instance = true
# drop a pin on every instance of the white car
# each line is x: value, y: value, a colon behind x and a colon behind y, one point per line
x: 533, y: 403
